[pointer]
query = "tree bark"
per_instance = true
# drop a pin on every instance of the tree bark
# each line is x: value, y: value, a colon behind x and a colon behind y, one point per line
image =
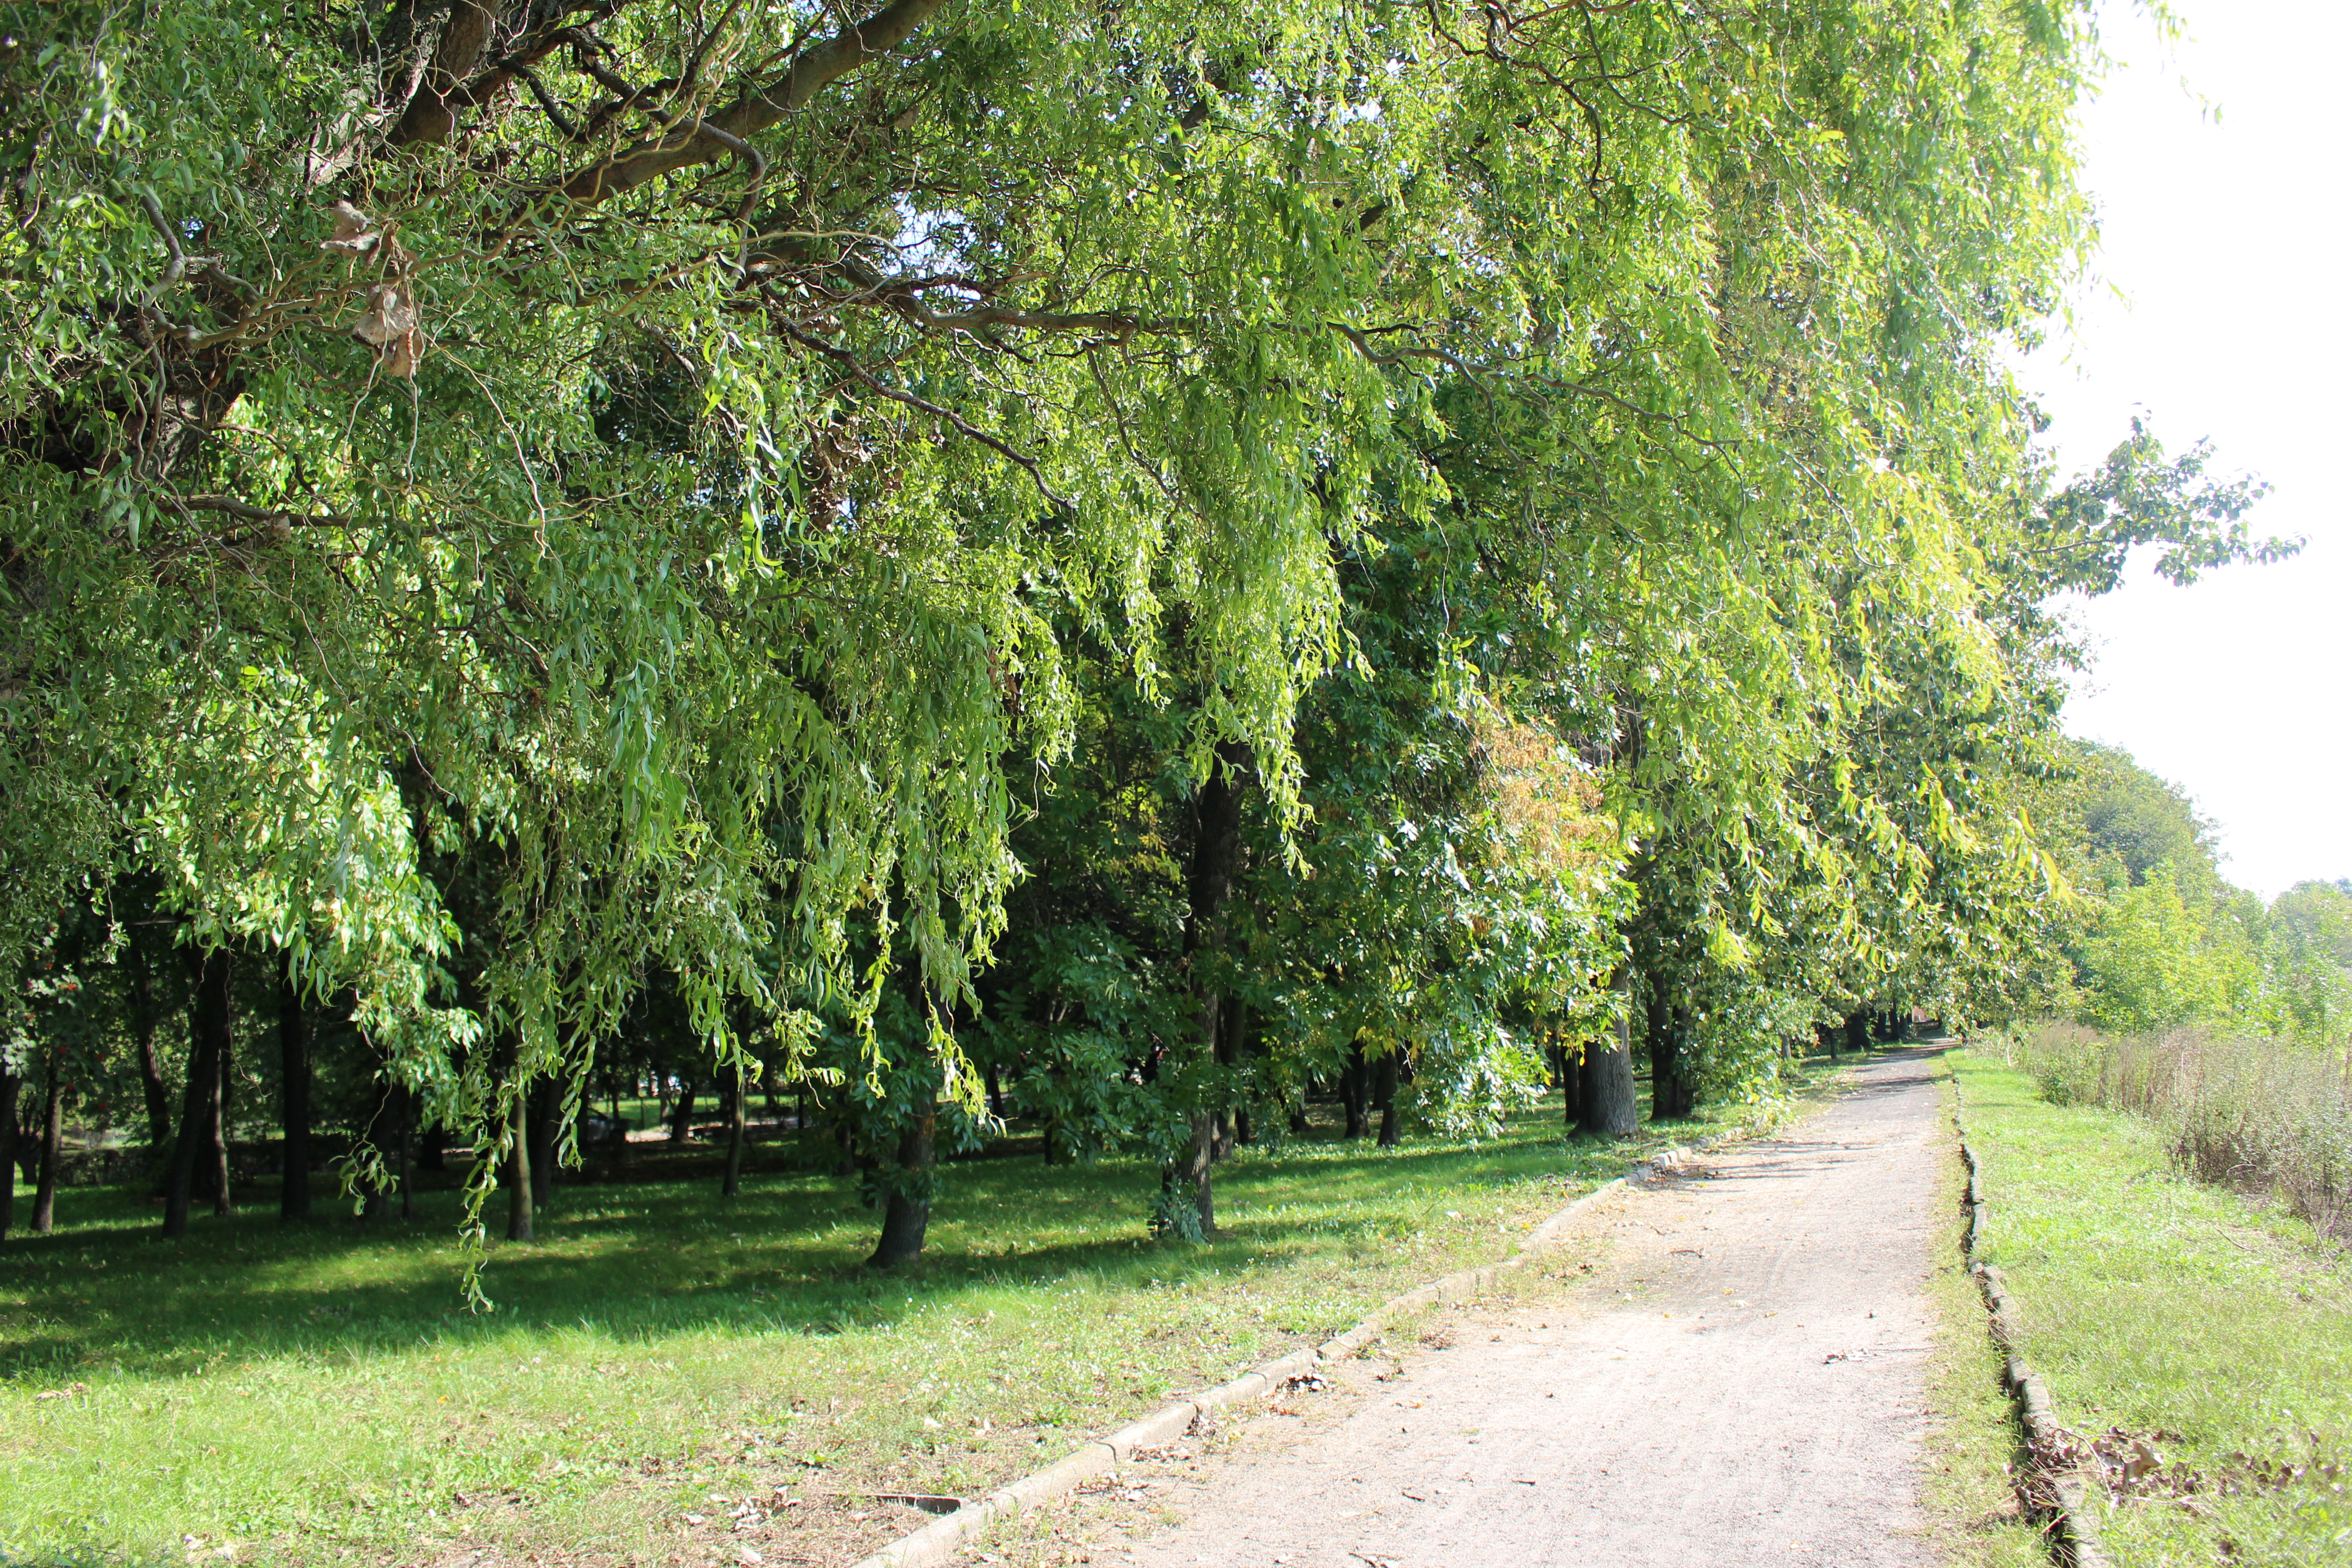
x: 294, y: 1105
x: 681, y: 1125
x: 1607, y: 1092
x: 909, y: 1211
x: 1857, y: 1031
x: 518, y: 1185
x: 209, y: 1026
x: 53, y: 1103
x: 10, y: 1086
x: 1572, y: 1082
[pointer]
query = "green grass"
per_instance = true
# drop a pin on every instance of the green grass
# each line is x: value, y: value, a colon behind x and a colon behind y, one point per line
x: 2151, y: 1302
x: 1976, y: 1440
x: 317, y: 1394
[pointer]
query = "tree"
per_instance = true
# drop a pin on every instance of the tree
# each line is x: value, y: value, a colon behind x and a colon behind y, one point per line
x: 502, y: 503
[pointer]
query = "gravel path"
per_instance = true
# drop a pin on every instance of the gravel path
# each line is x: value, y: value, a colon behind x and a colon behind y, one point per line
x: 1739, y: 1380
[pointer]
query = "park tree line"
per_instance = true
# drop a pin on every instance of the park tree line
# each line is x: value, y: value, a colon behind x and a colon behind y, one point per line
x: 1111, y: 567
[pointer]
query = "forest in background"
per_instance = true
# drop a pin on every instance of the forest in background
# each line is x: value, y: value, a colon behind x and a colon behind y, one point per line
x: 1104, y: 570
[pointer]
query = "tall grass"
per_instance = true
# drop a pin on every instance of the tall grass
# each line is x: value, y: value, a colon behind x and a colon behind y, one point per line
x: 2266, y: 1116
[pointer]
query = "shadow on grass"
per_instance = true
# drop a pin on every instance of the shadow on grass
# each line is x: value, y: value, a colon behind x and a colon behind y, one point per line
x: 663, y: 1256
x: 625, y: 1260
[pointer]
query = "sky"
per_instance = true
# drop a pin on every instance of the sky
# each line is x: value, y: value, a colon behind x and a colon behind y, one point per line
x: 2221, y: 166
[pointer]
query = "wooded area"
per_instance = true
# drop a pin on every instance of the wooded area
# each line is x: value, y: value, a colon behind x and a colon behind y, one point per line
x: 1091, y: 571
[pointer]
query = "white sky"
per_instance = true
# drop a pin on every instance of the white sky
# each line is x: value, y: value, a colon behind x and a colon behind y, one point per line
x: 2225, y: 232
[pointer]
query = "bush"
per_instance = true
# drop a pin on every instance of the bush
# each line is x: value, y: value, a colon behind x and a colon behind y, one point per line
x: 2264, y: 1115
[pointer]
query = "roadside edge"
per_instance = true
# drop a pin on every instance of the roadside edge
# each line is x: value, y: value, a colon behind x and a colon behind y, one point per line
x: 940, y: 1540
x: 2078, y: 1522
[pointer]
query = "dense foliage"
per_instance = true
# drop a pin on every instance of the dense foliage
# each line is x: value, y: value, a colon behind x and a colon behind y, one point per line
x: 1099, y: 565
x: 2159, y: 940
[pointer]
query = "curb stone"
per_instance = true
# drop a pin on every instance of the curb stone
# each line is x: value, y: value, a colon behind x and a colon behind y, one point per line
x: 2078, y: 1522
x: 937, y: 1542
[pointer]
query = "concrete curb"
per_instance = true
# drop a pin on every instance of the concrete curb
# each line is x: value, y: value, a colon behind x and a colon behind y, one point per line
x: 2078, y: 1520
x: 937, y: 1542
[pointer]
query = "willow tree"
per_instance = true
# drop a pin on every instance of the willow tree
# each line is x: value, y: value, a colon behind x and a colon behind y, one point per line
x: 676, y: 441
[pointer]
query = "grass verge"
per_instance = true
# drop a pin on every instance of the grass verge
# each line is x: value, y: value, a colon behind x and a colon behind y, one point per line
x: 1975, y: 1441
x: 671, y: 1377
x: 2179, y: 1313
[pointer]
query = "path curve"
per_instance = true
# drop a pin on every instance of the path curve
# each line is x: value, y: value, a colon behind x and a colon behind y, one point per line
x: 1741, y: 1381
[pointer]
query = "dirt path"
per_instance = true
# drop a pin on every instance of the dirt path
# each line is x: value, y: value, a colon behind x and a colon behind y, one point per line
x: 1740, y: 1380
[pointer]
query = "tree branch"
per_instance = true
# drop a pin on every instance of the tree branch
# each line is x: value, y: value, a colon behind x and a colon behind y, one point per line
x: 848, y: 362
x: 810, y: 72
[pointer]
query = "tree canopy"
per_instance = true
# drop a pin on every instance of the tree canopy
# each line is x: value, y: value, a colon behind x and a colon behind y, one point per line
x: 1303, y: 532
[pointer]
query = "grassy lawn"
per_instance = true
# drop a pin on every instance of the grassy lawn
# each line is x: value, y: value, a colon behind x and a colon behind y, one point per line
x: 2154, y: 1304
x: 318, y: 1395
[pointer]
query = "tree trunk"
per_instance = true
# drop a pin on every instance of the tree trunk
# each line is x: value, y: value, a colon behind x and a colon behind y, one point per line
x: 547, y: 1099
x: 1299, y: 1125
x: 208, y: 1031
x: 845, y: 1144
x: 145, y: 1022
x: 53, y: 1105
x: 995, y: 1093
x: 1384, y: 1095
x: 1233, y: 1045
x: 209, y: 1026
x: 1572, y: 1082
x: 407, y: 1130
x: 519, y: 1183
x: 294, y: 1062
x: 908, y: 1212
x: 1857, y: 1032
x: 1670, y: 1088
x: 1607, y: 1091
x: 1186, y: 1181
x: 217, y: 1129
x: 10, y: 1086
x: 737, y: 1131
x: 1356, y: 1091
x: 1208, y: 881
x: 681, y: 1125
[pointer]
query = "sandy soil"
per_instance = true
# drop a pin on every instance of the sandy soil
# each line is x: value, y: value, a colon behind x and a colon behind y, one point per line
x: 1740, y: 1379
